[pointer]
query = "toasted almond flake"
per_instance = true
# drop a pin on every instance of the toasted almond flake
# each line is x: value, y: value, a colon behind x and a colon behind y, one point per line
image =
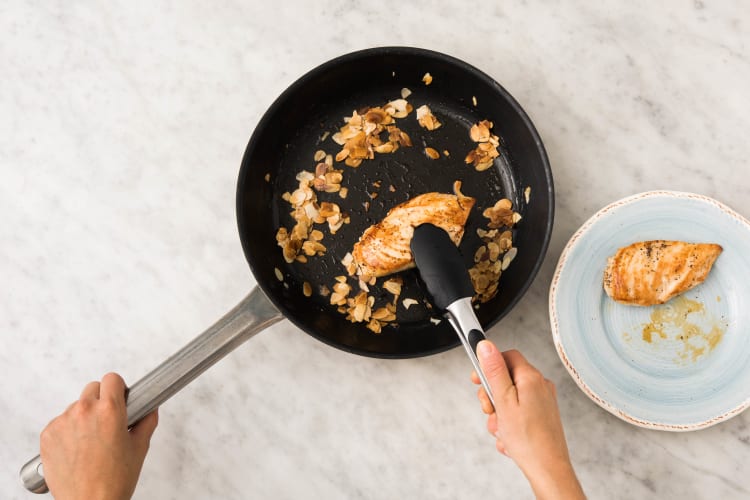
x: 392, y: 188
x: 427, y: 78
x: 301, y: 259
x: 381, y: 313
x: 311, y: 247
x: 338, y: 138
x: 359, y: 313
x: 343, y: 192
x: 527, y: 193
x: 435, y: 321
x: 267, y: 177
x: 407, y: 303
x: 324, y: 136
x: 304, y: 177
x: 481, y: 167
x: 494, y: 250
x: 480, y: 132
x: 353, y: 162
x: 426, y: 118
x: 393, y: 285
x: 278, y: 273
x: 516, y: 217
x: 405, y: 93
x: 342, y: 155
x: 504, y: 203
x: 348, y: 259
x: 342, y: 287
x: 338, y: 299
x: 374, y: 325
x: 316, y: 235
x: 306, y: 289
x: 432, y: 153
x: 474, y: 100
x: 363, y: 286
x: 324, y: 291
x: 319, y: 155
x: 508, y: 258
x: 446, y: 152
x: 480, y: 254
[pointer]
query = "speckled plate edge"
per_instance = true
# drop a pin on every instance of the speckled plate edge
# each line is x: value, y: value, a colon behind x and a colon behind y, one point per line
x: 554, y: 323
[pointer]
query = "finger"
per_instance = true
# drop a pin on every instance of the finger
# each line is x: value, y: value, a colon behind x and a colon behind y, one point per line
x: 113, y: 388
x: 484, y: 400
x: 91, y: 391
x: 501, y: 448
x: 475, y: 378
x: 515, y: 361
x: 494, y: 368
x: 492, y: 424
x: 142, y: 431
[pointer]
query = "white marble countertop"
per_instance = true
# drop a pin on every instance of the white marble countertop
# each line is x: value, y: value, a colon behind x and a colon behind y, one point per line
x: 122, y: 126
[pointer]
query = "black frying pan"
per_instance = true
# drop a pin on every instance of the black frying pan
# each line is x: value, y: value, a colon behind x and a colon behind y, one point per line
x: 284, y: 143
x: 289, y: 134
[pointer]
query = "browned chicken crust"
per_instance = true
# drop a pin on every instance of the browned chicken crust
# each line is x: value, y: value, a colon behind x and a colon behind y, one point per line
x: 652, y: 272
x: 384, y: 248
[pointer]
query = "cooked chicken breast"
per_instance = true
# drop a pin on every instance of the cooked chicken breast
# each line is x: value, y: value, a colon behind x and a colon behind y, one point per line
x: 652, y: 272
x: 384, y: 249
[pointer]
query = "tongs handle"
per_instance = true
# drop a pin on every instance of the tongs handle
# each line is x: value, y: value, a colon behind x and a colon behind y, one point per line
x: 461, y: 316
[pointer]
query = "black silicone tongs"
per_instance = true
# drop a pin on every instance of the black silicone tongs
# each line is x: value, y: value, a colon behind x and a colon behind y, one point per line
x: 442, y: 269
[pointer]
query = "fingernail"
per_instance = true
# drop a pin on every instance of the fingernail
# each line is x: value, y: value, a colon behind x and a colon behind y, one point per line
x: 485, y: 348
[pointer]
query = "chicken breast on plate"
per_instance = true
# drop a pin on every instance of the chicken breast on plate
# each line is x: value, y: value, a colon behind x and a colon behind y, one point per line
x: 652, y: 272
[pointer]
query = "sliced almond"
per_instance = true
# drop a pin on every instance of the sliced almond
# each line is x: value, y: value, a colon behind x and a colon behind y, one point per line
x: 393, y: 285
x: 408, y: 302
x: 432, y: 153
x: 508, y: 258
x: 374, y: 325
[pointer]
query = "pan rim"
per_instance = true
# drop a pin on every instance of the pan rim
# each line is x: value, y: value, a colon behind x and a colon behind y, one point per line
x: 313, y: 73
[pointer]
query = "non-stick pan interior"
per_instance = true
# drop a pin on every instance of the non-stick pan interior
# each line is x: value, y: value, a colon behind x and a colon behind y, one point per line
x: 314, y: 107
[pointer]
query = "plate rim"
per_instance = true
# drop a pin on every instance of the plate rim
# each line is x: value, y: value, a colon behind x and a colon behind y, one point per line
x: 554, y: 320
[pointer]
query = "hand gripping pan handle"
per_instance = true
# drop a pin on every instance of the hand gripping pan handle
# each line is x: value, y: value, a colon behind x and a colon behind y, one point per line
x: 252, y: 315
x: 442, y: 269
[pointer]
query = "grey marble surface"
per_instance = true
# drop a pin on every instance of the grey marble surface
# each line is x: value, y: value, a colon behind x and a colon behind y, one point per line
x: 122, y: 126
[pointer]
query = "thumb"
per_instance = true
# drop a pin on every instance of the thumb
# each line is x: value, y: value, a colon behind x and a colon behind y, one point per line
x: 141, y: 432
x: 495, y: 370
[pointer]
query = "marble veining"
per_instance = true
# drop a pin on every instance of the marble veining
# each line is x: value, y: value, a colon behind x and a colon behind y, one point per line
x: 122, y: 126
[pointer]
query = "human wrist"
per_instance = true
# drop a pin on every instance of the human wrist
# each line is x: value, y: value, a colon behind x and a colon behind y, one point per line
x: 554, y: 479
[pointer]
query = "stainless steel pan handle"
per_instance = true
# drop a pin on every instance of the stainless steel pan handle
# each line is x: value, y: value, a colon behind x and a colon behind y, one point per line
x: 253, y: 314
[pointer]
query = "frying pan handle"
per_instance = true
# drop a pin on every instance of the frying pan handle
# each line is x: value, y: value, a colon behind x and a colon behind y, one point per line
x: 253, y: 314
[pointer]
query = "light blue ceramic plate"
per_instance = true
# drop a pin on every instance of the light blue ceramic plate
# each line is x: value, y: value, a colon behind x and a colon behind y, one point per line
x: 678, y: 367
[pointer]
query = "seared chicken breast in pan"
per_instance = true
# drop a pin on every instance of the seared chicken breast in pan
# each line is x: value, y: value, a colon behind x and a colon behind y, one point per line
x: 652, y: 272
x: 384, y: 249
